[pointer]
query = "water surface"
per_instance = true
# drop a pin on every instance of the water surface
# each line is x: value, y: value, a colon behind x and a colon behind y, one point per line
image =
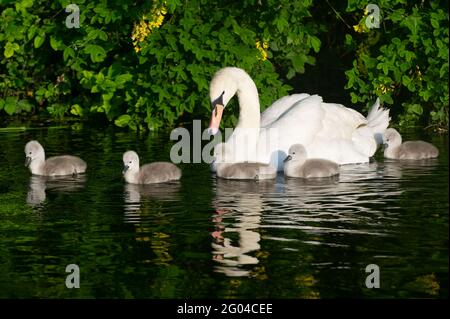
x: 204, y: 237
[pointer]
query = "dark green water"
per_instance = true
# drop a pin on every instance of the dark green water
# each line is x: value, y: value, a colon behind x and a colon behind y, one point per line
x: 208, y: 238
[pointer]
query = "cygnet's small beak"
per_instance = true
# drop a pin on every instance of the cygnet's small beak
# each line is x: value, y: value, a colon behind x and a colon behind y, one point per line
x: 385, y: 145
x: 27, y: 161
x: 288, y: 158
x: 125, y: 169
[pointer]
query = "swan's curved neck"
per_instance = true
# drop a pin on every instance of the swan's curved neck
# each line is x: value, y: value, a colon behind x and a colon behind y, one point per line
x: 249, y: 109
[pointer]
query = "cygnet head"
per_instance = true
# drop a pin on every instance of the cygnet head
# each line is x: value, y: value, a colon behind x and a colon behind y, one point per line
x: 392, y: 138
x: 297, y: 152
x: 33, y: 152
x: 130, y: 161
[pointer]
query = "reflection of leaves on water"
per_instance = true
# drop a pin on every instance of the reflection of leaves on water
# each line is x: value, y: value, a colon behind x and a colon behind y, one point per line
x: 427, y: 284
x: 306, y: 283
x: 259, y: 273
x: 166, y: 282
x: 144, y: 208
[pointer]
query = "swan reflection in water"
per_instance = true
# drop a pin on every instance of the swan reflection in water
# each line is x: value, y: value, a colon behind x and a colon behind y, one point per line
x: 40, y: 185
x: 242, y: 201
x: 357, y: 202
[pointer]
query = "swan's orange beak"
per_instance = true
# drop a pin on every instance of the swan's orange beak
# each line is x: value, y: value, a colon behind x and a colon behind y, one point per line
x: 216, y: 117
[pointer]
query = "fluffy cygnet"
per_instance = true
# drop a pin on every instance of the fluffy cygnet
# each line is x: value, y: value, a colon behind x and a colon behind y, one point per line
x: 225, y: 168
x: 296, y: 164
x: 157, y: 172
x: 411, y: 150
x: 53, y: 166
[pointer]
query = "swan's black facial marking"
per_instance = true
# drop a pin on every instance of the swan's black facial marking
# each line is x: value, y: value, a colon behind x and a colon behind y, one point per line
x: 218, y: 101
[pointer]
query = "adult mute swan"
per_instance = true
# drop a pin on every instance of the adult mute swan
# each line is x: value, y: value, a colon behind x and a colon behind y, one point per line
x: 326, y: 130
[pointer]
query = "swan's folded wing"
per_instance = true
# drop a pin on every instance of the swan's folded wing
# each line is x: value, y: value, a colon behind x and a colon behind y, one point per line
x: 339, y: 121
x: 280, y: 106
x: 299, y: 124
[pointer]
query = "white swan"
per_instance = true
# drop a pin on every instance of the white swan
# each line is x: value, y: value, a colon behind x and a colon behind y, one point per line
x: 327, y: 130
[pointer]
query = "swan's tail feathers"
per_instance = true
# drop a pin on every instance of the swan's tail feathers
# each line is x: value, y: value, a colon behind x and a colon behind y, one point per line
x: 378, y: 121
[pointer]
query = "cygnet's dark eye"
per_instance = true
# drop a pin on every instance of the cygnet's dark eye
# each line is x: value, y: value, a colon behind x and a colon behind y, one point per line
x: 129, y: 162
x: 29, y: 153
x: 293, y: 152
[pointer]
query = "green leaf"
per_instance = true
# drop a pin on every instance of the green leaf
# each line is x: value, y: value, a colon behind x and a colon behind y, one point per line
x: 68, y: 52
x: 10, y: 105
x: 123, y: 120
x: 298, y: 62
x: 281, y: 23
x: 24, y: 105
x: 94, y: 34
x: 348, y: 39
x: 54, y: 43
x: 76, y: 110
x: 435, y: 23
x: 406, y: 80
x: 315, y: 42
x: 31, y: 32
x: 97, y: 53
x: 416, y: 108
x: 10, y: 48
x: 38, y: 40
x: 122, y: 79
x: 386, y: 98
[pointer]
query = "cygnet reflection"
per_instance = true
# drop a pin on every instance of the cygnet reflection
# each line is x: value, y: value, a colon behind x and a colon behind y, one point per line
x: 40, y: 185
x: 397, y: 169
x: 135, y: 194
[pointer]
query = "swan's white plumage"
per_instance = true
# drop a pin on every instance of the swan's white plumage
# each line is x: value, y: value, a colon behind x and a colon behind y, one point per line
x: 280, y: 106
x: 327, y: 130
